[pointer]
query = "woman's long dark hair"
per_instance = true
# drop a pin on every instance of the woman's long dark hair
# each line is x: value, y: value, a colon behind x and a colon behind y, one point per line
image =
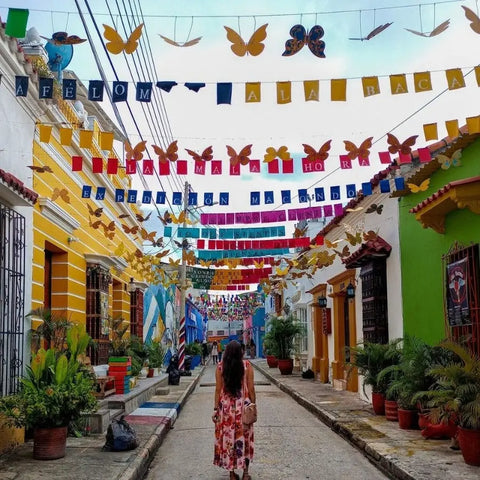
x: 232, y: 368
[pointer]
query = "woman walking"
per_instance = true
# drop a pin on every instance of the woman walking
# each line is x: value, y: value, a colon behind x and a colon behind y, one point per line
x: 234, y: 388
x: 214, y: 353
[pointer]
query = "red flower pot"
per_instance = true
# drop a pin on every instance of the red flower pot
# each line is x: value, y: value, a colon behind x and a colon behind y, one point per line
x: 407, y: 419
x: 378, y: 403
x: 423, y: 420
x: 285, y: 366
x: 49, y: 443
x: 469, y: 441
x: 272, y: 361
x: 391, y: 410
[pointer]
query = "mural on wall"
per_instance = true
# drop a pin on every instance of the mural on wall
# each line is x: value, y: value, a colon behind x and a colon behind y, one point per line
x: 159, y: 314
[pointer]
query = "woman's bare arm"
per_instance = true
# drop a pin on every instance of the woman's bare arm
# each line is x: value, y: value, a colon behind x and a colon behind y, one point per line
x: 250, y: 384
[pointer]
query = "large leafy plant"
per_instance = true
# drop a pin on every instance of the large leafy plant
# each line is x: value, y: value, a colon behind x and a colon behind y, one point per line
x: 57, y: 387
x: 282, y: 333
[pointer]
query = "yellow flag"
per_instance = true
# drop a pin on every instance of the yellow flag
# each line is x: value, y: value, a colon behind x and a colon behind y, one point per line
x: 338, y: 90
x: 430, y: 131
x: 398, y: 84
x: 473, y: 124
x: 105, y: 139
x: 455, y: 78
x: 370, y: 86
x: 452, y: 128
x: 477, y: 74
x: 252, y: 92
x: 311, y: 89
x: 284, y: 92
x: 45, y: 131
x: 86, y: 137
x: 66, y: 136
x: 422, y: 81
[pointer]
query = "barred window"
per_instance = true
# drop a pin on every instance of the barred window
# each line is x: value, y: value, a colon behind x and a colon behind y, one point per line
x: 301, y: 315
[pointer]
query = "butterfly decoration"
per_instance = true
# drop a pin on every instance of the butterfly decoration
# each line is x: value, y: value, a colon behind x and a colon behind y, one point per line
x: 123, y: 215
x: 260, y: 264
x: 43, y: 169
x: 141, y: 218
x: 189, y: 257
x: 120, y: 250
x: 374, y: 32
x: 299, y: 232
x: 330, y: 244
x: 363, y: 151
x: 63, y: 38
x: 187, y: 43
x: 300, y: 38
x: 370, y: 236
x: 166, y: 218
x: 138, y: 253
x: 182, y: 218
x: 115, y: 42
x: 132, y: 230
x: 174, y: 263
x: 107, y: 228
x: 253, y: 47
x: 396, y: 147
x: 419, y: 188
x: 60, y: 193
x: 357, y: 209
x: 272, y: 154
x: 374, y: 208
x: 354, y: 239
x: 158, y: 243
x: 206, y: 155
x: 344, y: 253
x: 169, y: 154
x: 135, y: 153
x: 205, y: 263
x: 95, y: 224
x: 97, y: 212
x: 242, y: 157
x: 162, y: 253
x: 281, y: 272
x: 184, y: 245
x: 313, y: 155
x: 474, y: 19
x: 436, y: 31
x: 150, y: 236
x: 453, y: 161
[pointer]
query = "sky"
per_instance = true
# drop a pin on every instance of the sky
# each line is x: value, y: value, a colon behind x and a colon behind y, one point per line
x: 196, y: 121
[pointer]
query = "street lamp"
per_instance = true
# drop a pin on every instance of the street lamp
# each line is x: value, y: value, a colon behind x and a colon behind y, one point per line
x: 131, y: 287
x: 322, y: 301
x: 350, y: 290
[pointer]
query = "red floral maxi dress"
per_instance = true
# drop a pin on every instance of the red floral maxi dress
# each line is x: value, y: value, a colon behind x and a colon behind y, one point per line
x: 233, y: 440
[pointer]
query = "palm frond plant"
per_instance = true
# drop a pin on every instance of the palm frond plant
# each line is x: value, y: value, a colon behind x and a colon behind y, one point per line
x: 282, y: 333
x: 52, y: 332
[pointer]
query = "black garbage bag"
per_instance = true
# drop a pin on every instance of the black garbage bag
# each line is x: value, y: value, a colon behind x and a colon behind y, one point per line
x: 173, y: 371
x: 120, y: 437
x: 188, y: 362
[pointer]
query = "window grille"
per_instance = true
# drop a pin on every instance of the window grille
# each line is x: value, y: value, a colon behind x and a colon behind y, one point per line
x: 301, y: 315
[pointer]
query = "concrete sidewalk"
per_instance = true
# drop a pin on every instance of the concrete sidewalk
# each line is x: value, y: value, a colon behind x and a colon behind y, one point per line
x: 401, y: 454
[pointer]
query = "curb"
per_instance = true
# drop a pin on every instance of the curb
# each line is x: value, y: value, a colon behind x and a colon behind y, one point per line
x: 138, y: 468
x: 384, y: 464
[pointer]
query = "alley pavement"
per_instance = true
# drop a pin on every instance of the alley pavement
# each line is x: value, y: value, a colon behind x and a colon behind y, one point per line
x: 401, y: 454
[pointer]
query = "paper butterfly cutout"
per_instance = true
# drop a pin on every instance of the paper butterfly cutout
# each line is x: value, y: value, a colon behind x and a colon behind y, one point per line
x: 453, y: 161
x: 95, y: 224
x: 474, y: 19
x: 174, y: 262
x: 397, y: 147
x: 182, y: 218
x: 204, y: 157
x: 363, y: 151
x: 299, y: 232
x: 162, y: 253
x: 260, y: 264
x: 115, y: 42
x: 242, y: 157
x: 158, y: 243
x: 436, y: 31
x: 206, y: 264
x: 166, y: 218
x: 354, y: 239
x: 63, y: 38
x: 374, y: 32
x: 272, y: 154
x: 188, y: 43
x: 300, y: 38
x: 370, y: 236
x: 419, y: 188
x: 120, y: 250
x: 124, y: 215
x: 374, y: 208
x: 281, y: 272
x: 132, y: 230
x: 344, y: 253
x: 135, y: 153
x: 141, y: 218
x: 43, y: 169
x: 150, y: 236
x: 95, y: 212
x: 189, y: 257
x: 254, y: 46
x: 354, y: 209
x: 62, y: 193
x: 313, y: 155
x: 169, y: 154
x: 330, y: 244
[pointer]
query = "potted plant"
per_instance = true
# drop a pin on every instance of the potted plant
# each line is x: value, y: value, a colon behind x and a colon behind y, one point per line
x: 370, y: 359
x: 155, y: 355
x: 283, y: 330
x: 56, y: 391
x: 52, y: 331
x: 456, y: 395
x: 194, y: 349
x: 270, y: 351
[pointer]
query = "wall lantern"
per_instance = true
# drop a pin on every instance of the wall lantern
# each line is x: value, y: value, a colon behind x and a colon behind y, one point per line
x: 322, y: 301
x: 350, y: 291
x: 131, y: 287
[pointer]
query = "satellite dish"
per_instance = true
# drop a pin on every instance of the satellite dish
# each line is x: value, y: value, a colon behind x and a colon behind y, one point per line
x: 59, y: 57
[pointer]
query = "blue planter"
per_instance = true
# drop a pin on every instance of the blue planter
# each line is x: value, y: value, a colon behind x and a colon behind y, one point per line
x: 196, y: 361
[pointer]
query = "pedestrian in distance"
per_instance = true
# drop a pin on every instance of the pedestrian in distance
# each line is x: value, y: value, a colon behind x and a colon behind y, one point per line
x: 234, y: 388
x: 219, y: 347
x: 215, y: 353
x: 204, y: 352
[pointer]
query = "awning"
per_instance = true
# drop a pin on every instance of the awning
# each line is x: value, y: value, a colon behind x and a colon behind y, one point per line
x: 15, y: 191
x: 369, y: 251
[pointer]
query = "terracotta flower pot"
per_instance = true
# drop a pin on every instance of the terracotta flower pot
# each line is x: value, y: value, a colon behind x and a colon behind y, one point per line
x: 469, y: 441
x: 285, y: 366
x: 407, y: 419
x: 391, y: 410
x: 272, y: 361
x: 151, y: 372
x: 378, y: 403
x: 49, y: 443
x: 423, y: 420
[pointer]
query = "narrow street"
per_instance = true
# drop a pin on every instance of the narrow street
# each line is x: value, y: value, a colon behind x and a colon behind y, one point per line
x: 290, y: 443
